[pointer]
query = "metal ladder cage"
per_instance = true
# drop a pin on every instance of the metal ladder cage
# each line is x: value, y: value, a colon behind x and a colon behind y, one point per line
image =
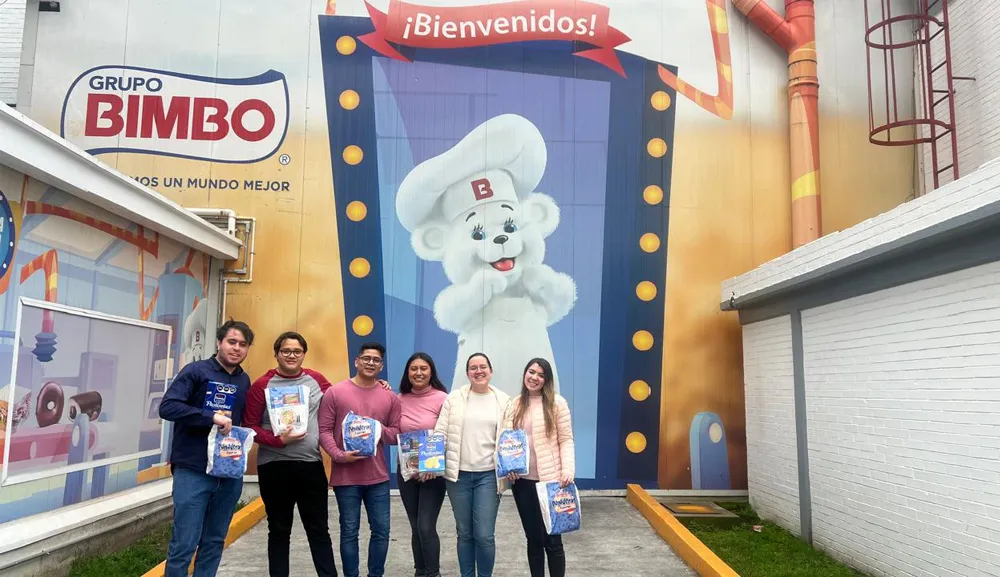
x: 919, y: 31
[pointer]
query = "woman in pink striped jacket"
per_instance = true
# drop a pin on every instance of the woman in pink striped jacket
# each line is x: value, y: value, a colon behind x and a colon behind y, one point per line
x: 545, y: 416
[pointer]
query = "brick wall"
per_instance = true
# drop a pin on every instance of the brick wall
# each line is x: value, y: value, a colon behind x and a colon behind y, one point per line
x: 903, y: 409
x: 772, y: 468
x: 11, y: 29
x: 974, y: 28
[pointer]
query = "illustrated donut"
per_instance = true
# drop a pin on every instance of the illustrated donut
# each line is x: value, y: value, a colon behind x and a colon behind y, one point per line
x: 49, y: 405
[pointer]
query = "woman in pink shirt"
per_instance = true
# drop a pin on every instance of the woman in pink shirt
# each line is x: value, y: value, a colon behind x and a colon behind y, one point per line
x: 545, y: 417
x: 421, y: 395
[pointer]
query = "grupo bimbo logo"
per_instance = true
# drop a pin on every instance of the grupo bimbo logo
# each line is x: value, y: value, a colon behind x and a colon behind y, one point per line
x: 148, y: 111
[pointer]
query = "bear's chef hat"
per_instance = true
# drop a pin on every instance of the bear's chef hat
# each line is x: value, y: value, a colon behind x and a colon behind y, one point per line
x: 501, y: 159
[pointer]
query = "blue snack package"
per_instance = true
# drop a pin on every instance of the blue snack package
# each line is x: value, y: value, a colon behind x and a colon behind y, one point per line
x: 560, y: 507
x: 432, y: 453
x: 408, y: 447
x: 361, y: 434
x: 227, y: 452
x: 512, y: 452
x: 219, y: 397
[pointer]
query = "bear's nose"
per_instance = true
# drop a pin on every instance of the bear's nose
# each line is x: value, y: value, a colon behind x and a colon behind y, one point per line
x: 500, y: 239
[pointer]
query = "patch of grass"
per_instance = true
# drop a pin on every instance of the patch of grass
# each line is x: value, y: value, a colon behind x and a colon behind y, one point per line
x: 133, y: 560
x: 773, y: 552
x: 136, y: 559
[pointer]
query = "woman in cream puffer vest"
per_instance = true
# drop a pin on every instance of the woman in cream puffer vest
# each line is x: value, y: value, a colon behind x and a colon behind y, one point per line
x: 545, y: 417
x: 471, y: 419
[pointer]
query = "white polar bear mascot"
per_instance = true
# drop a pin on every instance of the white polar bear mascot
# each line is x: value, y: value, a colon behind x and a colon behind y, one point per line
x: 475, y: 209
x: 193, y: 336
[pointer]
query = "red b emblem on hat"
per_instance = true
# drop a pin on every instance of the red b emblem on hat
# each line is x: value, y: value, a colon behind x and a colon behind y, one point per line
x: 481, y: 188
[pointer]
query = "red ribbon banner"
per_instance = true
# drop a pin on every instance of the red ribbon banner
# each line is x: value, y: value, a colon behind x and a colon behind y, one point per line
x: 418, y: 26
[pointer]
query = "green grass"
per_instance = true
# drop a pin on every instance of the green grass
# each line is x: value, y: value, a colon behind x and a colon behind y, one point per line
x: 773, y: 552
x: 133, y: 560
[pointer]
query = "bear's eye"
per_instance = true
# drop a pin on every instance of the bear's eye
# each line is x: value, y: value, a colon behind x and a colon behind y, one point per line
x: 509, y: 226
x: 477, y: 233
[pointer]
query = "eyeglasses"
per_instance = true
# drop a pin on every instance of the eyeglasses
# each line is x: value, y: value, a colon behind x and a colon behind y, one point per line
x: 370, y: 360
x: 292, y: 352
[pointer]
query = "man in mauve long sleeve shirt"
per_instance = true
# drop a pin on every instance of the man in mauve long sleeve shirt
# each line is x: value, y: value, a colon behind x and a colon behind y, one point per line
x: 355, y: 479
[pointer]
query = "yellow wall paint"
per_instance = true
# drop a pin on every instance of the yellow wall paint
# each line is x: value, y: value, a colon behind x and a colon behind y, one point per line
x: 724, y: 223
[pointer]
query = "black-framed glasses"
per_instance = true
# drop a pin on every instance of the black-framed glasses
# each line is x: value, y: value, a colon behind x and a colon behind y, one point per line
x: 370, y: 360
x: 292, y: 352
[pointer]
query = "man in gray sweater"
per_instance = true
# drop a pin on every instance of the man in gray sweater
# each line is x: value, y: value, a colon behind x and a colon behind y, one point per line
x: 289, y: 465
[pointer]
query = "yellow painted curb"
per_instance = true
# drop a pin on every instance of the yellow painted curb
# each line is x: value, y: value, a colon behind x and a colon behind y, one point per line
x: 243, y: 521
x: 689, y: 547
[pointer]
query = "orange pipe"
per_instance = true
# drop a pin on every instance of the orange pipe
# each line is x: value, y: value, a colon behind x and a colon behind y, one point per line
x: 48, y: 263
x: 796, y: 34
x: 720, y: 104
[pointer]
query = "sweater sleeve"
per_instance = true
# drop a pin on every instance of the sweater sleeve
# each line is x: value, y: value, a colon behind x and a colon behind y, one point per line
x: 391, y: 428
x: 564, y: 431
x: 252, y: 418
x: 327, y: 426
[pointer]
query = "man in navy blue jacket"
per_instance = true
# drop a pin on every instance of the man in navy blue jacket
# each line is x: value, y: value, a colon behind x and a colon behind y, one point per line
x: 204, y: 393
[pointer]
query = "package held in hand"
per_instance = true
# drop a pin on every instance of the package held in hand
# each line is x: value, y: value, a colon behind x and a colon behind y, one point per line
x: 408, y: 447
x: 512, y: 452
x: 288, y: 407
x: 361, y: 434
x: 560, y: 507
x: 227, y: 452
x: 432, y: 448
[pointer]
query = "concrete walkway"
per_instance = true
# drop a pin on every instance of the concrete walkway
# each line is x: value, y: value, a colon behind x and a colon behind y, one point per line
x: 615, y: 540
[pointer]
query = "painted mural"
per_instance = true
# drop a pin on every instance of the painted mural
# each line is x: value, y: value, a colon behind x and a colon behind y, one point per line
x: 78, y: 413
x: 571, y: 179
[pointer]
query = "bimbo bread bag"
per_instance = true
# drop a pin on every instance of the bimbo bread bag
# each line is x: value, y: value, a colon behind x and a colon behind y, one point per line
x: 227, y: 452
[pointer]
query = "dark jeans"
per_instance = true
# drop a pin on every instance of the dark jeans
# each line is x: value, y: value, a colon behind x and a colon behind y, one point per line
x: 376, y: 501
x: 283, y: 486
x: 203, y: 508
x: 475, y: 501
x: 422, y: 502
x: 540, y: 543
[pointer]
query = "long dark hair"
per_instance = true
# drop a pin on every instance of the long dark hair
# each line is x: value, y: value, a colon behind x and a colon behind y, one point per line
x: 406, y: 387
x: 548, y: 397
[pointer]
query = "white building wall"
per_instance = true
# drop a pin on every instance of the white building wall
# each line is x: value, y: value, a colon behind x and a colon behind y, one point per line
x: 772, y: 469
x: 903, y: 409
x: 974, y: 26
x: 11, y: 29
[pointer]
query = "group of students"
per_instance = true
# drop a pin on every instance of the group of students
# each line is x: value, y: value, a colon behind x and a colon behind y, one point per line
x: 291, y: 472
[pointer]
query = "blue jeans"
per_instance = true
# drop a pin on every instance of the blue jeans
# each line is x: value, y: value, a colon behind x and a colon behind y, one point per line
x: 475, y: 502
x: 203, y: 508
x: 376, y: 500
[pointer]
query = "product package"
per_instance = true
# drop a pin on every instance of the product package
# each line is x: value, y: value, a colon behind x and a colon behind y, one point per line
x: 408, y: 447
x: 420, y: 452
x: 227, y: 453
x: 219, y: 397
x: 288, y: 407
x: 512, y: 452
x: 432, y: 450
x: 560, y: 507
x: 361, y: 434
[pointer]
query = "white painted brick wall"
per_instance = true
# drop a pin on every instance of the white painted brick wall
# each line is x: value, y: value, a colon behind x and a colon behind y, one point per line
x: 975, y: 191
x: 903, y: 406
x: 975, y: 32
x: 772, y: 467
x: 11, y: 29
